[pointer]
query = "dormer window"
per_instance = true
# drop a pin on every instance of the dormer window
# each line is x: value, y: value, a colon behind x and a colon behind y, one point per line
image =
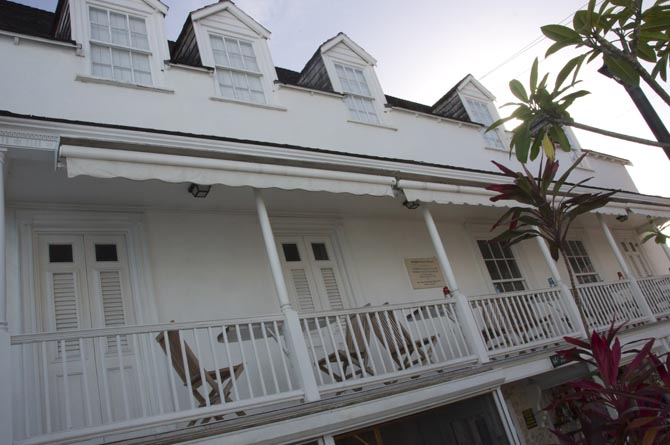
x: 358, y: 96
x: 119, y: 47
x: 480, y: 113
x: 237, y: 70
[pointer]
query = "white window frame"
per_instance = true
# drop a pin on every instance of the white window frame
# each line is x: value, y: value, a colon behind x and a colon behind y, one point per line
x: 582, y: 277
x: 351, y: 96
x: 498, y: 283
x: 217, y: 68
x: 149, y: 52
x: 468, y: 102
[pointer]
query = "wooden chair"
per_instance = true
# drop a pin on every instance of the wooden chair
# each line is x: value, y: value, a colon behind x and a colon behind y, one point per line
x: 401, y: 346
x: 194, y: 374
x: 349, y: 357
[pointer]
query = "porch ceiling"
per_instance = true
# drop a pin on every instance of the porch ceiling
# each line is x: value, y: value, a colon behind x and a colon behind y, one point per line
x: 33, y: 181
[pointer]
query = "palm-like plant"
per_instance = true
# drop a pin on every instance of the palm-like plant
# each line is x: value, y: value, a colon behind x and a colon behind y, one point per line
x: 545, y: 210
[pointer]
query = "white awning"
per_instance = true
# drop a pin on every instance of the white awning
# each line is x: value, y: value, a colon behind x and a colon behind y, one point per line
x: 465, y: 195
x: 109, y: 163
x: 449, y: 194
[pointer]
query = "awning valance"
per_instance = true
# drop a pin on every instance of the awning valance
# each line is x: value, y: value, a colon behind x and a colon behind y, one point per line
x: 431, y: 192
x: 110, y: 163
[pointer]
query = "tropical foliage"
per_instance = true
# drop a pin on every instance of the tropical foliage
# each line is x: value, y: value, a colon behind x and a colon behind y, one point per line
x: 620, y: 404
x: 656, y: 233
x: 631, y: 41
x: 547, y: 208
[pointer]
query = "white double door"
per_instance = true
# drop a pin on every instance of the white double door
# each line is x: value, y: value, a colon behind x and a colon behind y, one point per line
x: 312, y: 273
x: 636, y: 258
x: 84, y: 283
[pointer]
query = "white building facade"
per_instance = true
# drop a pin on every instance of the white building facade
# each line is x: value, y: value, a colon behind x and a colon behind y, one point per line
x: 202, y: 247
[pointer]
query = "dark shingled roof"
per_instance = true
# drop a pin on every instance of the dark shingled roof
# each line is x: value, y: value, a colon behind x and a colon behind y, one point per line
x: 23, y: 19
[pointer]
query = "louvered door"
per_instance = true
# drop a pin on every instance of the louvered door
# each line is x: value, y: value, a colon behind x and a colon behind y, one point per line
x: 636, y: 259
x: 66, y: 307
x: 111, y: 306
x: 85, y: 284
x: 312, y: 274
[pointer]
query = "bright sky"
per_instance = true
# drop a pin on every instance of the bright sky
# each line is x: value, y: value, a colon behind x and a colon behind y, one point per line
x: 424, y: 47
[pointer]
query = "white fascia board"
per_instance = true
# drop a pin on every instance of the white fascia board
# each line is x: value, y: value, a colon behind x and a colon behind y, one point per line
x: 237, y: 12
x: 73, y: 130
x: 355, y: 47
x: 158, y: 6
x: 477, y: 84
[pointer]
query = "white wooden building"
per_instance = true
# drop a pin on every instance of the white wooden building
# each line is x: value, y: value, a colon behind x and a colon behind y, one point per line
x: 188, y: 205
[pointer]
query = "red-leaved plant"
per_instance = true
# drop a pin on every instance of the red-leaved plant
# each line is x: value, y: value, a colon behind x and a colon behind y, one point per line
x: 619, y: 404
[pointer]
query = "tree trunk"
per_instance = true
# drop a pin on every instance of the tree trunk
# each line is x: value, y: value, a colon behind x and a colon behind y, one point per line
x: 575, y: 292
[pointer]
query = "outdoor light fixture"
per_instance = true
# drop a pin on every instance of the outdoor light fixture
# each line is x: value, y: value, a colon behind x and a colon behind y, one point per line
x: 412, y: 205
x: 624, y: 218
x: 199, y: 191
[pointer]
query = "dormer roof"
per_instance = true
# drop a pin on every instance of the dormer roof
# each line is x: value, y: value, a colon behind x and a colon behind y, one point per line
x: 227, y: 5
x: 344, y: 39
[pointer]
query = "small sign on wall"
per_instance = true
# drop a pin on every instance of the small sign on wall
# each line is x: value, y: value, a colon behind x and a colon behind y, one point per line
x: 529, y: 418
x: 424, y: 273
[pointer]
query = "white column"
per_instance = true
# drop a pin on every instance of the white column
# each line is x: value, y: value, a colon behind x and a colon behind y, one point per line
x: 463, y: 309
x: 5, y: 345
x: 637, y: 292
x: 295, y: 340
x: 666, y: 249
x: 566, y: 293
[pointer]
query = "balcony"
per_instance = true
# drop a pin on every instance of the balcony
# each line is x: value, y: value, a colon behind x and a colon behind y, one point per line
x: 134, y: 380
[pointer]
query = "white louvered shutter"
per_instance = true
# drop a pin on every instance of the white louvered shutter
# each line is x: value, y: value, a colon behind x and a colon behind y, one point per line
x: 333, y: 294
x: 326, y: 273
x: 303, y: 292
x: 66, y: 305
x: 111, y: 294
x: 299, y: 276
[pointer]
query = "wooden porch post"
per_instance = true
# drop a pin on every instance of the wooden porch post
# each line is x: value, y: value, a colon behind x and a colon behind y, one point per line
x: 566, y: 293
x: 463, y: 308
x: 5, y: 345
x: 295, y: 339
x: 635, y: 288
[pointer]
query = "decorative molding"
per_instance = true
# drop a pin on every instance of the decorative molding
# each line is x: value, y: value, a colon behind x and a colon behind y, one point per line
x: 20, y: 139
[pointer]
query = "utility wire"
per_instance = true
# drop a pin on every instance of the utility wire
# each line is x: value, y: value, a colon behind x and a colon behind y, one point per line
x: 526, y: 48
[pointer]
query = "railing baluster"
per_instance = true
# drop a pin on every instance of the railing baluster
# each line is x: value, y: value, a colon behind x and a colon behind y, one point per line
x: 66, y: 384
x: 240, y: 343
x: 102, y: 345
x: 203, y: 380
x: 122, y: 372
x: 357, y: 349
x: 315, y: 360
x: 334, y: 345
x: 323, y: 345
x: 258, y: 362
x: 187, y: 369
x: 269, y: 356
x: 224, y: 334
x: 88, y: 418
x: 447, y: 328
x: 168, y: 353
x: 431, y: 319
x: 47, y: 394
x: 217, y: 370
x: 282, y: 348
x: 155, y: 371
x: 366, y: 344
x: 382, y: 359
x: 141, y: 368
x: 408, y: 353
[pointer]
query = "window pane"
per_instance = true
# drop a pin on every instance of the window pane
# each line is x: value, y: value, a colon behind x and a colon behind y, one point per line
x: 99, y: 25
x: 291, y: 253
x: 60, y: 253
x: 320, y: 252
x: 138, y: 33
x: 106, y: 252
x: 119, y: 29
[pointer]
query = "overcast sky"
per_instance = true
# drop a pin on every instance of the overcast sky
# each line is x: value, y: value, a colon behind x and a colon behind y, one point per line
x: 424, y: 47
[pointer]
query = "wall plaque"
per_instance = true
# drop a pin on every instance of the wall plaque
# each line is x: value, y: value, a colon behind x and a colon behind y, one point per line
x: 529, y: 418
x: 424, y: 273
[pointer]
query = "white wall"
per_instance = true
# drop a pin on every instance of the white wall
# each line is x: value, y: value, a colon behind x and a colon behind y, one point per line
x: 39, y: 79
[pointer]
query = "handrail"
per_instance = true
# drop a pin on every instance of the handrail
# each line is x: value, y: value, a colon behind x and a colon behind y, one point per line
x: 383, y: 307
x: 603, y: 283
x: 513, y: 294
x: 136, y: 329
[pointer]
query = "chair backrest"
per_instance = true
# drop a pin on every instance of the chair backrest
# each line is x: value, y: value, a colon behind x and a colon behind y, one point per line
x: 176, y: 356
x: 387, y: 328
x: 357, y: 335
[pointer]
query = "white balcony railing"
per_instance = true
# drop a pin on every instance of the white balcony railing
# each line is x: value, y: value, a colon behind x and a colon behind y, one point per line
x: 374, y: 345
x: 90, y: 383
x: 604, y: 302
x: 657, y: 292
x: 523, y: 320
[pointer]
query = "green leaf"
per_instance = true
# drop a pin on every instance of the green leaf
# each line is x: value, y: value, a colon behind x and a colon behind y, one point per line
x: 533, y: 76
x: 522, y: 141
x: 518, y: 90
x: 646, y: 52
x: 559, y: 183
x: 498, y: 123
x: 560, y: 33
x: 622, y: 70
x: 537, y: 142
x: 566, y: 70
x: 548, y: 147
x: 581, y: 21
x: 558, y: 135
x: 555, y: 47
